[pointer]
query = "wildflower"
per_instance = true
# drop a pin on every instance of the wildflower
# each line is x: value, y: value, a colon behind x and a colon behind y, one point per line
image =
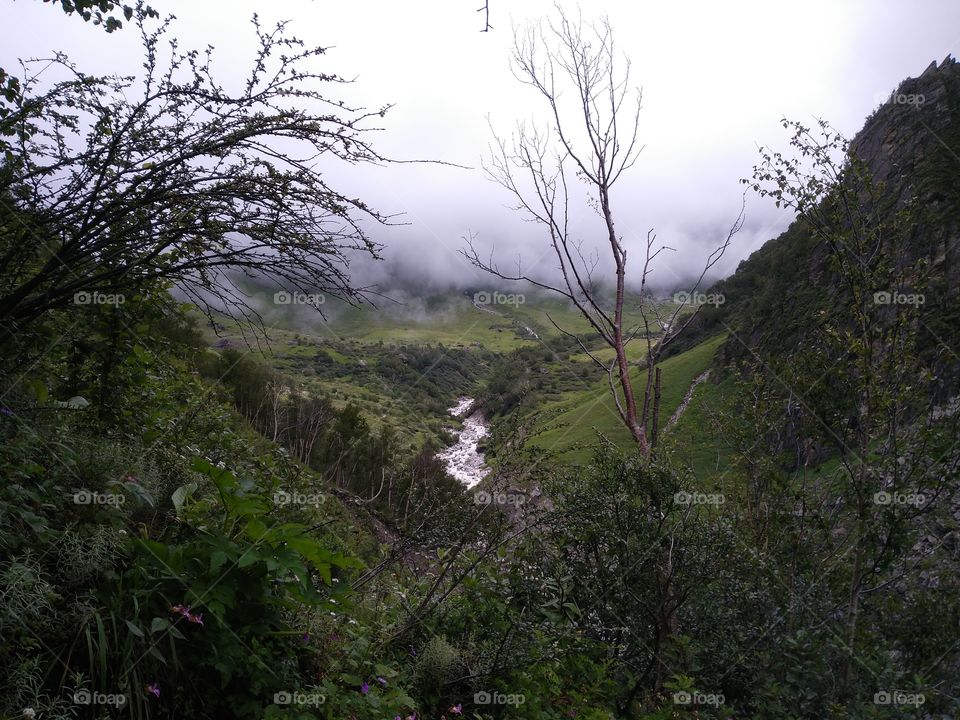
x: 305, y: 638
x: 184, y: 610
x: 456, y: 709
x: 31, y: 713
x: 365, y: 688
x: 153, y: 689
x: 9, y: 413
x: 382, y: 681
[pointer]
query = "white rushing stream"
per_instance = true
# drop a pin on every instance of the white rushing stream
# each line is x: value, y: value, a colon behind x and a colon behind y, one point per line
x: 463, y: 460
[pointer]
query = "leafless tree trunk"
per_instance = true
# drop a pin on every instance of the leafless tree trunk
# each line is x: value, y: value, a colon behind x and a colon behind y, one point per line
x: 597, y: 136
x: 277, y: 393
x: 487, y: 27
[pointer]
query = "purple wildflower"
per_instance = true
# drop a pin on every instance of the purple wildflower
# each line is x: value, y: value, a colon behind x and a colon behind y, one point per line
x: 185, y: 611
x: 457, y: 709
x: 153, y: 689
x: 365, y: 688
x: 382, y: 681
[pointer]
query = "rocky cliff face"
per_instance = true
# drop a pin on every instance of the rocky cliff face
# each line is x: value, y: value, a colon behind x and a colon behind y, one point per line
x: 911, y: 145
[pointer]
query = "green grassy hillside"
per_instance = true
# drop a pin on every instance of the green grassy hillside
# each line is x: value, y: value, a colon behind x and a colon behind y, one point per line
x: 567, y: 427
x: 349, y: 354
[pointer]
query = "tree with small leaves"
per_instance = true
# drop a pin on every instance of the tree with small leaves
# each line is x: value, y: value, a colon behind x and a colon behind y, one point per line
x: 111, y: 183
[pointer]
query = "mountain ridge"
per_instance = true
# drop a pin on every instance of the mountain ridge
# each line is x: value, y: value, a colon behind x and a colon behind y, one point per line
x: 911, y: 147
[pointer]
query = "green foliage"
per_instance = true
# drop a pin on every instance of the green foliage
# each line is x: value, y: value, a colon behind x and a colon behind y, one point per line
x: 438, y: 663
x: 111, y: 584
x: 166, y: 199
x: 98, y: 12
x: 208, y: 536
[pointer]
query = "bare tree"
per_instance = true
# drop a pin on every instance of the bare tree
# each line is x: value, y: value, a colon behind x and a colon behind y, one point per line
x: 487, y: 27
x: 596, y: 133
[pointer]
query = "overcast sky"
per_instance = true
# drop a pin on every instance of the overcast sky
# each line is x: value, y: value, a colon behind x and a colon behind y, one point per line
x: 716, y: 79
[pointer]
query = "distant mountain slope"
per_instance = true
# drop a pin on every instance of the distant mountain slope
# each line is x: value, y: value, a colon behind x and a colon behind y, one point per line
x: 911, y: 145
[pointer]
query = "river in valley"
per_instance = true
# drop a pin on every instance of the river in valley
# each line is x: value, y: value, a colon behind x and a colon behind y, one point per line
x: 463, y: 460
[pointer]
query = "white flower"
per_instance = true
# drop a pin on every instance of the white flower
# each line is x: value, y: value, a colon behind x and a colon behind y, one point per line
x: 29, y: 713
